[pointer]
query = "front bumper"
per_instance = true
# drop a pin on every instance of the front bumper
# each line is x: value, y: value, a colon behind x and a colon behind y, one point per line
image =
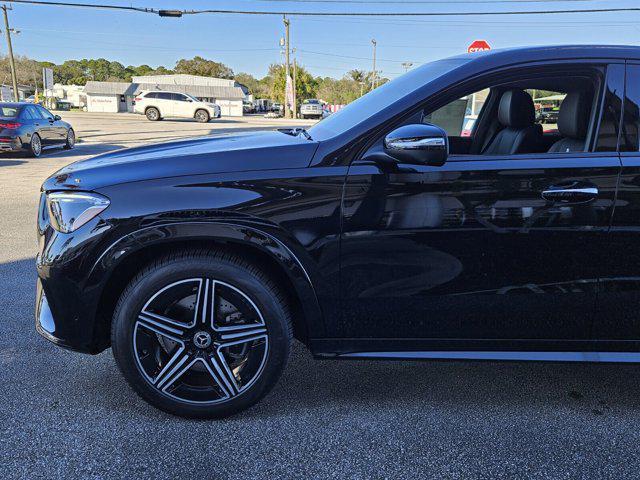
x: 46, y: 324
x: 66, y: 302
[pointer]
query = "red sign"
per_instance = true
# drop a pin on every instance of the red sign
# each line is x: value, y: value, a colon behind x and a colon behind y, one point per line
x: 478, y: 46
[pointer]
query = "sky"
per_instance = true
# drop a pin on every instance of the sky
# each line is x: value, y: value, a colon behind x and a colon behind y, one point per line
x: 326, y: 46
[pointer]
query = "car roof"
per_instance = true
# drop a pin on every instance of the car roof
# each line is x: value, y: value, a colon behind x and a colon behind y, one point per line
x: 548, y: 52
x: 15, y: 104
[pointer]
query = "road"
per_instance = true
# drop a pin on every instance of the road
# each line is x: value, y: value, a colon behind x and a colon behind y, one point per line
x: 70, y: 415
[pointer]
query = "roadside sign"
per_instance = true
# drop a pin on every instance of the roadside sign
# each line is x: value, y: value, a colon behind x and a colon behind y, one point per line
x: 47, y: 78
x: 478, y: 46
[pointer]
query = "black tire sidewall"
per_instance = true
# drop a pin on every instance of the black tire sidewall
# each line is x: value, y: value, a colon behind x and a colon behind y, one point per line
x: 142, y: 288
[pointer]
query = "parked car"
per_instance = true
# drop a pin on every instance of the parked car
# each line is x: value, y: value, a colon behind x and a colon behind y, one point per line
x: 371, y: 235
x: 248, y: 107
x: 277, y: 107
x: 31, y: 128
x: 311, y: 108
x: 547, y: 115
x: 156, y: 105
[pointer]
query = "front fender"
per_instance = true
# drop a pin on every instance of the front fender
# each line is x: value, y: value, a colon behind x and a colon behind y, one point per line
x: 301, y: 274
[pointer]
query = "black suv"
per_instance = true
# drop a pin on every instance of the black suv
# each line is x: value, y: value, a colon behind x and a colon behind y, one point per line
x: 382, y: 232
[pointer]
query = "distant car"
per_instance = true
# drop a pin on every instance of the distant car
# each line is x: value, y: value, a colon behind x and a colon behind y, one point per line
x: 31, y: 128
x: 156, y: 105
x: 547, y: 115
x: 311, y: 108
x: 277, y: 107
x: 248, y: 107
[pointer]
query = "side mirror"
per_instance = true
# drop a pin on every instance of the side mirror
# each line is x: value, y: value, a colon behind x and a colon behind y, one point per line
x: 421, y: 144
x: 57, y: 117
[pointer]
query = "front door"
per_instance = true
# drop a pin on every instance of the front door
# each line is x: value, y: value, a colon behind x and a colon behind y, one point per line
x: 44, y: 126
x: 183, y: 106
x: 479, y: 249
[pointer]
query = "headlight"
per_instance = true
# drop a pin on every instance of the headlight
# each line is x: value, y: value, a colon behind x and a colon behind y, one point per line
x: 68, y: 211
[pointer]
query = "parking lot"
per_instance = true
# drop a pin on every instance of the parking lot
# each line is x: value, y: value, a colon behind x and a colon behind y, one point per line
x: 72, y: 415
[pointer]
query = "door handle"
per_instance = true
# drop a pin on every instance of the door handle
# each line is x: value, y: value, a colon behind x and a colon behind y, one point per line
x: 571, y: 192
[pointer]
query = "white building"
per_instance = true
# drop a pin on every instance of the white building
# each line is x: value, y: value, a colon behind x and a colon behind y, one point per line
x: 119, y: 96
x: 73, y: 94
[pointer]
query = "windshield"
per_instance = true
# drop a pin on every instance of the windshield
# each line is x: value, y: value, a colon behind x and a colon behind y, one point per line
x: 311, y: 101
x: 192, y: 97
x: 380, y: 98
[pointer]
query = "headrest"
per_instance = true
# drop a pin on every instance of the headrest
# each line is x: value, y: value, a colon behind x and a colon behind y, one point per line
x: 516, y: 109
x: 573, y: 118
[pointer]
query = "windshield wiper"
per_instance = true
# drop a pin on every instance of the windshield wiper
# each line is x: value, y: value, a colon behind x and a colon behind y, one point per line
x: 295, y: 132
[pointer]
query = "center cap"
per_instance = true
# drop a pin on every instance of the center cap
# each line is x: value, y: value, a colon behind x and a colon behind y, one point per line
x: 202, y: 339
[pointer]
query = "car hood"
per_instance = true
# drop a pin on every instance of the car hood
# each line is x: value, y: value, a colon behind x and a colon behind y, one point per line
x: 269, y: 150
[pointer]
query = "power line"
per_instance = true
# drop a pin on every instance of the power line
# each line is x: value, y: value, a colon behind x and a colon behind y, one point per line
x: 177, y: 13
x: 424, y: 2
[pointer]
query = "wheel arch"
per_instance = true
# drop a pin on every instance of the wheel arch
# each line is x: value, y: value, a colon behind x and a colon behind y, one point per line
x: 124, y: 258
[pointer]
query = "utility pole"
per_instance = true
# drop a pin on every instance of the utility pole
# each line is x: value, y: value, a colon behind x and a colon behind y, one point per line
x: 14, y: 79
x: 373, y: 79
x: 295, y: 79
x: 287, y: 111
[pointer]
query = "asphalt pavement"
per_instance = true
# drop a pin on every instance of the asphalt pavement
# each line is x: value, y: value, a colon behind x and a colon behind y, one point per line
x: 68, y: 415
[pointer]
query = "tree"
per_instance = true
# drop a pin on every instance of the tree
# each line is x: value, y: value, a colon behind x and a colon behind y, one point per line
x: 201, y: 66
x: 306, y: 84
x: 259, y: 88
x: 357, y: 75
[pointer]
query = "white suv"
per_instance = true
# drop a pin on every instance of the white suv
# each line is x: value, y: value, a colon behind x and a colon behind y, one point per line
x: 156, y: 105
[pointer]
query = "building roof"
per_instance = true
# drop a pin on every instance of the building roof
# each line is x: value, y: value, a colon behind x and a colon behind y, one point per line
x: 184, y: 79
x: 110, y: 88
x: 196, y: 90
x: 124, y: 88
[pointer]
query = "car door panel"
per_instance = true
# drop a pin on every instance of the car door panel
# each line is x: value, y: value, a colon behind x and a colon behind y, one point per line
x: 44, y: 126
x: 472, y: 250
x: 619, y: 295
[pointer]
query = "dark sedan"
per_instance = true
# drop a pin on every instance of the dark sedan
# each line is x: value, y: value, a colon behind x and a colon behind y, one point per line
x: 384, y: 231
x: 31, y: 128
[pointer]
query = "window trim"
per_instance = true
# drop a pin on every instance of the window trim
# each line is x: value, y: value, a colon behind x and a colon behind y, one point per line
x: 505, y: 74
x: 628, y: 63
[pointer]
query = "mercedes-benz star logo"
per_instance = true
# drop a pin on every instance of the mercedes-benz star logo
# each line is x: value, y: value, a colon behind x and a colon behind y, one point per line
x: 202, y: 339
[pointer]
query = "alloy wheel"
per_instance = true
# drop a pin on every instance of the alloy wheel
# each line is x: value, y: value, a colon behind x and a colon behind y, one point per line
x: 202, y: 117
x: 36, y: 145
x: 200, y: 341
x: 71, y: 138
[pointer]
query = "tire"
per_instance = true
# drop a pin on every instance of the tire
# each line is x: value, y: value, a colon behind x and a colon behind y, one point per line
x: 185, y: 369
x: 35, y: 146
x: 202, y: 116
x: 71, y: 139
x: 152, y: 114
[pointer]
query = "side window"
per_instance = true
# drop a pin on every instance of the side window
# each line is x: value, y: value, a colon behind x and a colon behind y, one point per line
x: 547, y: 104
x: 151, y: 95
x: 179, y: 97
x: 608, y: 130
x: 26, y: 114
x: 457, y: 118
x: 45, y: 113
x: 630, y: 138
x: 35, y: 114
x: 164, y: 96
